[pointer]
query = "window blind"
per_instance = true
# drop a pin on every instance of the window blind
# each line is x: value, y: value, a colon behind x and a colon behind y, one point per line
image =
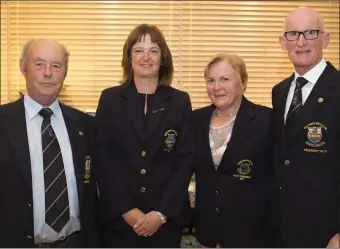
x: 95, y: 31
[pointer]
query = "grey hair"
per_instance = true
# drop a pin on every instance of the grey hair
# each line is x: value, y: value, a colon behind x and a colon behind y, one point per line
x: 27, y: 45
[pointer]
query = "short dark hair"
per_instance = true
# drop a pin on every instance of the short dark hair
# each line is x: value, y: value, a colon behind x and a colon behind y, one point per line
x: 166, y: 69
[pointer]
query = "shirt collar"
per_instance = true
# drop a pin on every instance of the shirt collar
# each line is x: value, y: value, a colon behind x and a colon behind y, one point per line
x: 32, y: 107
x: 314, y: 74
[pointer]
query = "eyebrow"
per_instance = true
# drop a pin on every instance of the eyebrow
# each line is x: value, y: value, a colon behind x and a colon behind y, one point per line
x: 156, y: 46
x: 41, y: 59
x: 227, y: 75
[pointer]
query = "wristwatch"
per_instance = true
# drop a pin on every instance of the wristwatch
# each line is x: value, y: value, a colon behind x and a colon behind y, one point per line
x: 162, y: 217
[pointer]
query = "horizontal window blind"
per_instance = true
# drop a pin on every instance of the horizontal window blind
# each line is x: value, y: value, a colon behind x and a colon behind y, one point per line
x: 95, y: 31
x: 250, y: 29
x: 5, y: 69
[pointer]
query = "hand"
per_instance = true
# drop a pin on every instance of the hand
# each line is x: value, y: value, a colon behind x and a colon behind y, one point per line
x: 334, y: 242
x: 150, y: 225
x: 135, y: 217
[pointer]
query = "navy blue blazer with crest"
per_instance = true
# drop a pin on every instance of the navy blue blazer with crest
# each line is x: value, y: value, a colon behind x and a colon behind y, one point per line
x: 307, y: 164
x: 16, y: 206
x: 138, y: 169
x: 232, y: 202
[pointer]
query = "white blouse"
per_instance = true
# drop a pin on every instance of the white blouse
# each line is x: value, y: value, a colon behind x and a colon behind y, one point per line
x: 219, y: 137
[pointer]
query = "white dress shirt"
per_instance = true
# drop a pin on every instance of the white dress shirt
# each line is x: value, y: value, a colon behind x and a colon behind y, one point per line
x: 43, y: 233
x: 312, y: 76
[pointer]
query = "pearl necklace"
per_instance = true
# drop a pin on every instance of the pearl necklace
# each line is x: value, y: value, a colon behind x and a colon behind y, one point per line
x: 224, y: 115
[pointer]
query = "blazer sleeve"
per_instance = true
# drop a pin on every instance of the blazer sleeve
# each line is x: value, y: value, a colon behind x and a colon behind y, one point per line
x: 90, y: 225
x: 339, y: 202
x: 274, y: 91
x: 175, y: 196
x: 339, y: 162
x: 112, y: 191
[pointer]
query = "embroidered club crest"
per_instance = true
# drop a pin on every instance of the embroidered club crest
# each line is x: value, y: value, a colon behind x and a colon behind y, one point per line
x: 244, y: 167
x: 170, y: 140
x: 314, y: 134
x: 87, y: 169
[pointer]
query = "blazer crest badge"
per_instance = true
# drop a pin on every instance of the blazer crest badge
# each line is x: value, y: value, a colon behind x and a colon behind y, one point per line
x: 87, y: 173
x: 170, y: 140
x: 314, y: 134
x: 244, y: 167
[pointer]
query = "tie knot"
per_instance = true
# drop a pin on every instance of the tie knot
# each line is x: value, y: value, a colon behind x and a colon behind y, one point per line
x: 301, y: 82
x: 45, y: 112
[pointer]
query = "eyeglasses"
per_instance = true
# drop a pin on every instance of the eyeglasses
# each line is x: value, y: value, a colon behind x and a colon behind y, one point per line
x: 309, y: 34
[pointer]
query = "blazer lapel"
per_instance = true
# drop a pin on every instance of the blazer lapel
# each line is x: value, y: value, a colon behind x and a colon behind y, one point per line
x: 132, y: 109
x: 282, y: 105
x: 75, y: 132
x: 318, y: 97
x: 15, y: 124
x: 204, y: 133
x: 159, y: 109
x: 240, y: 131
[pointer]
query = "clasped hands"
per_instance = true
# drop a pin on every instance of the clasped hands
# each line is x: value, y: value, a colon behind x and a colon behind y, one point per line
x: 143, y: 224
x: 334, y: 242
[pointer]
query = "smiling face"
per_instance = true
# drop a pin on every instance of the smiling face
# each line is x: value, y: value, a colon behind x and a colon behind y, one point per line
x: 45, y: 71
x: 224, y: 85
x: 145, y: 59
x: 304, y: 54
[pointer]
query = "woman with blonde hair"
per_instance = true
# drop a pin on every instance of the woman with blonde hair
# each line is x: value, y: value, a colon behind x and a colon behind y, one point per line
x: 233, y: 160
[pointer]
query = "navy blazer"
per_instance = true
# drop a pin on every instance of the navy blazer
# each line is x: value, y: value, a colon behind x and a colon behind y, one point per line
x: 232, y: 202
x: 307, y: 164
x: 16, y: 206
x: 138, y: 169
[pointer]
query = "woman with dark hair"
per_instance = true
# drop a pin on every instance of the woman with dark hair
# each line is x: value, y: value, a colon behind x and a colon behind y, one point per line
x: 144, y: 148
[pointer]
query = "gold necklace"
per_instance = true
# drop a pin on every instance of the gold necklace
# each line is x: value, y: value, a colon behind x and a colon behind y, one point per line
x: 224, y: 115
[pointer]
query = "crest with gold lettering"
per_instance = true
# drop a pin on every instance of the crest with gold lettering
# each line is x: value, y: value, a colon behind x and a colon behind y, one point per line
x: 244, y: 168
x: 170, y: 140
x: 87, y: 174
x: 314, y: 134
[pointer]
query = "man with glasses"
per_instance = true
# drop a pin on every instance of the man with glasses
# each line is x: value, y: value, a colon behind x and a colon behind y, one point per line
x: 307, y: 137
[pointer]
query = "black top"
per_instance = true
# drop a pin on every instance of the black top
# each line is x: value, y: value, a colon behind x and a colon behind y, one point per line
x: 150, y: 98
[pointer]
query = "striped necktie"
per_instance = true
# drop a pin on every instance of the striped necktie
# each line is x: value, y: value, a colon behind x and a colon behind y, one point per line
x: 57, y: 212
x: 296, y: 105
